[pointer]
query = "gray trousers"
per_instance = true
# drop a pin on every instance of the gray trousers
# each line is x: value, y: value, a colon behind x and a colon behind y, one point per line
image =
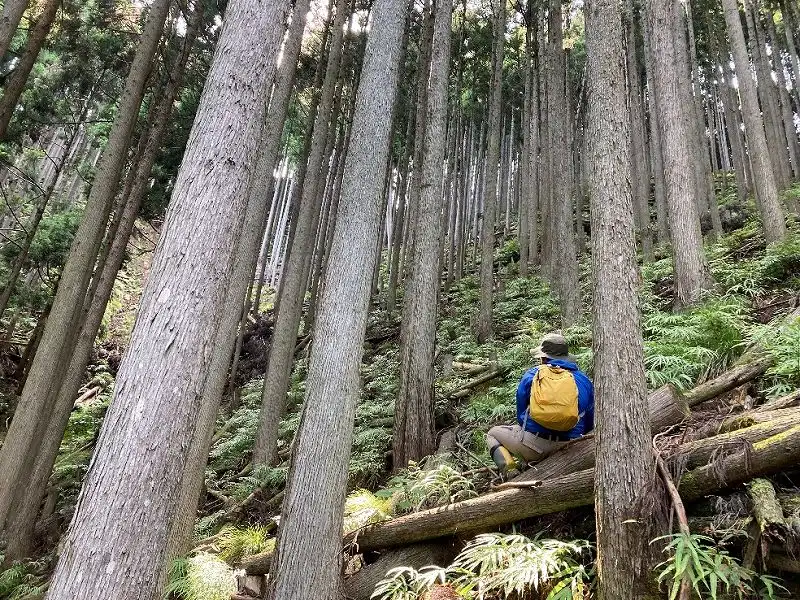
x: 520, y: 442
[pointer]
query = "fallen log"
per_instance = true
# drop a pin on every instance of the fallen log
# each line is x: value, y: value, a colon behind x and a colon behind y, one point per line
x: 782, y: 562
x: 667, y: 407
x: 465, y: 390
x: 361, y: 584
x: 258, y: 564
x: 754, y: 417
x: 787, y: 401
x: 730, y: 380
x: 764, y: 458
x: 470, y: 368
x: 507, y: 506
x: 701, y: 452
x: 767, y: 511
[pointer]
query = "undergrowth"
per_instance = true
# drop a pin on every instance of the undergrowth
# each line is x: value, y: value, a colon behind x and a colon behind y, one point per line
x: 710, y: 571
x: 497, y: 565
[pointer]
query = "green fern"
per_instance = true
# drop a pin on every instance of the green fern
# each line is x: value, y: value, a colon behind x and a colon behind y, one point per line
x: 502, y: 564
x: 681, y: 348
x: 783, y: 343
x: 405, y: 583
x: 710, y: 571
x: 419, y: 487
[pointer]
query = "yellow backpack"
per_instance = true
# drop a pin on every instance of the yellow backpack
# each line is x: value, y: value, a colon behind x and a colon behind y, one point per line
x: 554, y: 398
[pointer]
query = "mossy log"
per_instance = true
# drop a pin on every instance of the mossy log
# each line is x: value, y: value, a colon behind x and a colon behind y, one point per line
x: 754, y: 417
x: 361, y: 584
x: 667, y: 407
x: 507, y: 506
x: 765, y: 457
x: 767, y: 511
x: 790, y: 501
x: 700, y: 452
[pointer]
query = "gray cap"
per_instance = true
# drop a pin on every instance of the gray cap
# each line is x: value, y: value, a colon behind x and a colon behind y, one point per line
x: 553, y: 346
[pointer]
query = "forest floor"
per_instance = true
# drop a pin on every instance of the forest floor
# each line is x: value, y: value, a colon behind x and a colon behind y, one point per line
x: 476, y: 384
x: 475, y: 389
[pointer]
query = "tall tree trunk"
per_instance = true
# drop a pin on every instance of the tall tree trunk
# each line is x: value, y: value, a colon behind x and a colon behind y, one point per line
x: 656, y: 154
x: 307, y: 560
x: 414, y: 435
x: 691, y: 271
x: 277, y: 111
x: 484, y: 324
x: 9, y: 21
x: 640, y: 169
x: 295, y: 271
x: 789, y: 25
x: 766, y: 93
x: 763, y: 174
x: 31, y: 487
x: 15, y: 84
x: 534, y: 162
x: 423, y: 70
x: 527, y: 164
x: 624, y: 471
x: 564, y: 259
x: 163, y: 374
x: 787, y: 114
x: 733, y: 121
x: 53, y: 356
x: 705, y: 182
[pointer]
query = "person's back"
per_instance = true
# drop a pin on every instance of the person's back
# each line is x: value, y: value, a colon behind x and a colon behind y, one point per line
x: 555, y: 404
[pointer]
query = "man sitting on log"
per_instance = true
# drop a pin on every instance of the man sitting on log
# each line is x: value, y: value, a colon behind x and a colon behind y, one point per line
x: 555, y: 404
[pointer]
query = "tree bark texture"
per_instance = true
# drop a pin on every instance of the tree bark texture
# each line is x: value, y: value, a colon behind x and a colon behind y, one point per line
x: 624, y: 465
x: 523, y: 224
x: 31, y: 491
x: 15, y: 84
x: 763, y: 175
x: 691, y: 271
x: 563, y: 259
x: 687, y: 49
x: 414, y: 435
x: 415, y: 182
x: 9, y: 21
x: 55, y: 350
x: 295, y: 271
x: 306, y: 564
x: 135, y: 478
x: 484, y: 327
x: 640, y: 167
x: 770, y: 111
x: 656, y: 154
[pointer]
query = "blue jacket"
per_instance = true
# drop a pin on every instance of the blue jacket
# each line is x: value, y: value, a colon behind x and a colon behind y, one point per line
x: 585, y: 402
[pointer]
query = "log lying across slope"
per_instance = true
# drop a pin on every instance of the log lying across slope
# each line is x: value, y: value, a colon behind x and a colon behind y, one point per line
x: 667, y: 407
x: 485, y: 512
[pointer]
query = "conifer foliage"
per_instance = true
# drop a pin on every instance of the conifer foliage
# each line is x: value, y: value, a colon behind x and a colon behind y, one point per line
x: 269, y: 270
